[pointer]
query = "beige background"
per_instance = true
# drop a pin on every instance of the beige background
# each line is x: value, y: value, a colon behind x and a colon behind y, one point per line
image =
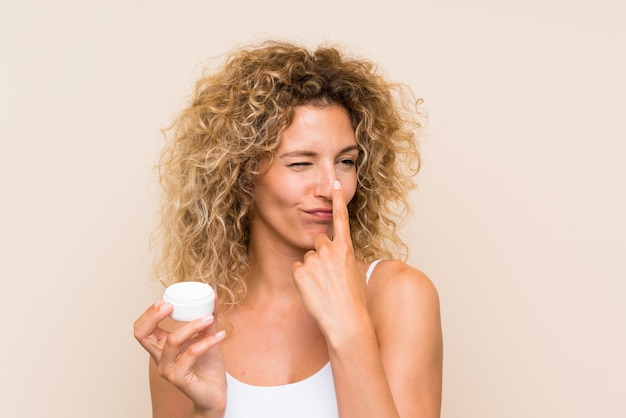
x: 519, y: 219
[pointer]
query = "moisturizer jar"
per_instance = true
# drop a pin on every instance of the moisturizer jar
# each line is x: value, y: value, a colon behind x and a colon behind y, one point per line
x: 191, y: 300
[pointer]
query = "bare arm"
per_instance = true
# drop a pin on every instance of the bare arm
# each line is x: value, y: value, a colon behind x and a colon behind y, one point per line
x: 405, y: 310
x: 187, y: 377
x: 390, y: 363
x: 384, y: 340
x: 167, y: 400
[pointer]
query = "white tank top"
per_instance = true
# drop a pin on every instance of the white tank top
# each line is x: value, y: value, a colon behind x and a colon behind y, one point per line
x: 313, y: 397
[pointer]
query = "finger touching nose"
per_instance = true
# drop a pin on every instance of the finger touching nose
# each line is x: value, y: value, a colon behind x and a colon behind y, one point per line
x: 324, y: 183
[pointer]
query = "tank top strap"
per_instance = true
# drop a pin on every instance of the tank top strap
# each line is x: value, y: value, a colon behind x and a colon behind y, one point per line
x: 370, y: 270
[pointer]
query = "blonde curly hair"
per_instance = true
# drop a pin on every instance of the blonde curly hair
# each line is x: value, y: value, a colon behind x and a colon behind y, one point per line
x: 209, y: 167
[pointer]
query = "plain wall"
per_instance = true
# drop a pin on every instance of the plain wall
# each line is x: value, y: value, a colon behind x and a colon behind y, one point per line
x: 519, y: 218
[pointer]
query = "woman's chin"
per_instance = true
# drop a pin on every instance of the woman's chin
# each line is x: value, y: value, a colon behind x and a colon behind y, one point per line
x: 309, y: 241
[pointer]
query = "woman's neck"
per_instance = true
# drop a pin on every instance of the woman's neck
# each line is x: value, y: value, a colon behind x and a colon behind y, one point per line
x: 271, y: 270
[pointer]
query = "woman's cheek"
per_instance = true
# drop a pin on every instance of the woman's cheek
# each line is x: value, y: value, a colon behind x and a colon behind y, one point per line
x: 348, y: 183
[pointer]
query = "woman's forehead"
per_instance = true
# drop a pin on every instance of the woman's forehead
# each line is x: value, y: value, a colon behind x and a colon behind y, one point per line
x: 316, y: 126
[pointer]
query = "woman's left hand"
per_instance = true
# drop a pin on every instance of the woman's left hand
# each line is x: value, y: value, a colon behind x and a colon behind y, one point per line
x: 329, y: 280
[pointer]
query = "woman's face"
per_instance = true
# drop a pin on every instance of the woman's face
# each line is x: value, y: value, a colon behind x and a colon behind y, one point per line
x: 293, y: 195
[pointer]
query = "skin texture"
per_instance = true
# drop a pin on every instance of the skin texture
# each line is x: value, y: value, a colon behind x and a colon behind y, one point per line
x: 307, y: 302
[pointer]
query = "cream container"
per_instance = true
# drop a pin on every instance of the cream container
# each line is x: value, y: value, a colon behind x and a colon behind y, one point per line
x: 191, y: 300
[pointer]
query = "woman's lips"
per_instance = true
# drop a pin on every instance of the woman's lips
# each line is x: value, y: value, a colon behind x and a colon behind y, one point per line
x: 321, y: 213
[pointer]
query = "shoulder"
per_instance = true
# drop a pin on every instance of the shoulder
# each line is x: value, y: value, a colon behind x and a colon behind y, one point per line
x: 398, y: 292
x: 394, y: 277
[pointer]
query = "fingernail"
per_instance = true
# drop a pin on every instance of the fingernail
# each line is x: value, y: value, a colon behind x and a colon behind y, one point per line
x: 336, y: 185
x: 158, y: 303
x: 207, y: 318
x: 164, y: 306
x: 220, y: 334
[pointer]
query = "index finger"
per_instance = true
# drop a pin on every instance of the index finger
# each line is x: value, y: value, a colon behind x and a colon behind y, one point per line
x: 341, y: 224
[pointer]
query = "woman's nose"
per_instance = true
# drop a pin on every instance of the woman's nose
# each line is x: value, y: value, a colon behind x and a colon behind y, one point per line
x: 324, y: 181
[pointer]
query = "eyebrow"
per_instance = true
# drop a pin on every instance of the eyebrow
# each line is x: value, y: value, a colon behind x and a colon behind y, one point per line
x: 307, y: 153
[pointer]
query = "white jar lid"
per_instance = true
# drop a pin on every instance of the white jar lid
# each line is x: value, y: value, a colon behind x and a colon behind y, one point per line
x: 189, y: 293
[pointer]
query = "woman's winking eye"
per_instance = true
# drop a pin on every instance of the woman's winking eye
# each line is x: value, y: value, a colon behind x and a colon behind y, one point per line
x: 299, y: 164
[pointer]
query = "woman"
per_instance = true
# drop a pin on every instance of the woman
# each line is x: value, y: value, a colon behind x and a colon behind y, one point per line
x: 282, y: 183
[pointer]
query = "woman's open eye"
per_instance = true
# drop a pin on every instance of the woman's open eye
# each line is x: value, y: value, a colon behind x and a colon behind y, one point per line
x: 348, y: 162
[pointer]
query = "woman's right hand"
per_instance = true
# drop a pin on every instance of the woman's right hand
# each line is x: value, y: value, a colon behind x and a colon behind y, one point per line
x: 189, y: 357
